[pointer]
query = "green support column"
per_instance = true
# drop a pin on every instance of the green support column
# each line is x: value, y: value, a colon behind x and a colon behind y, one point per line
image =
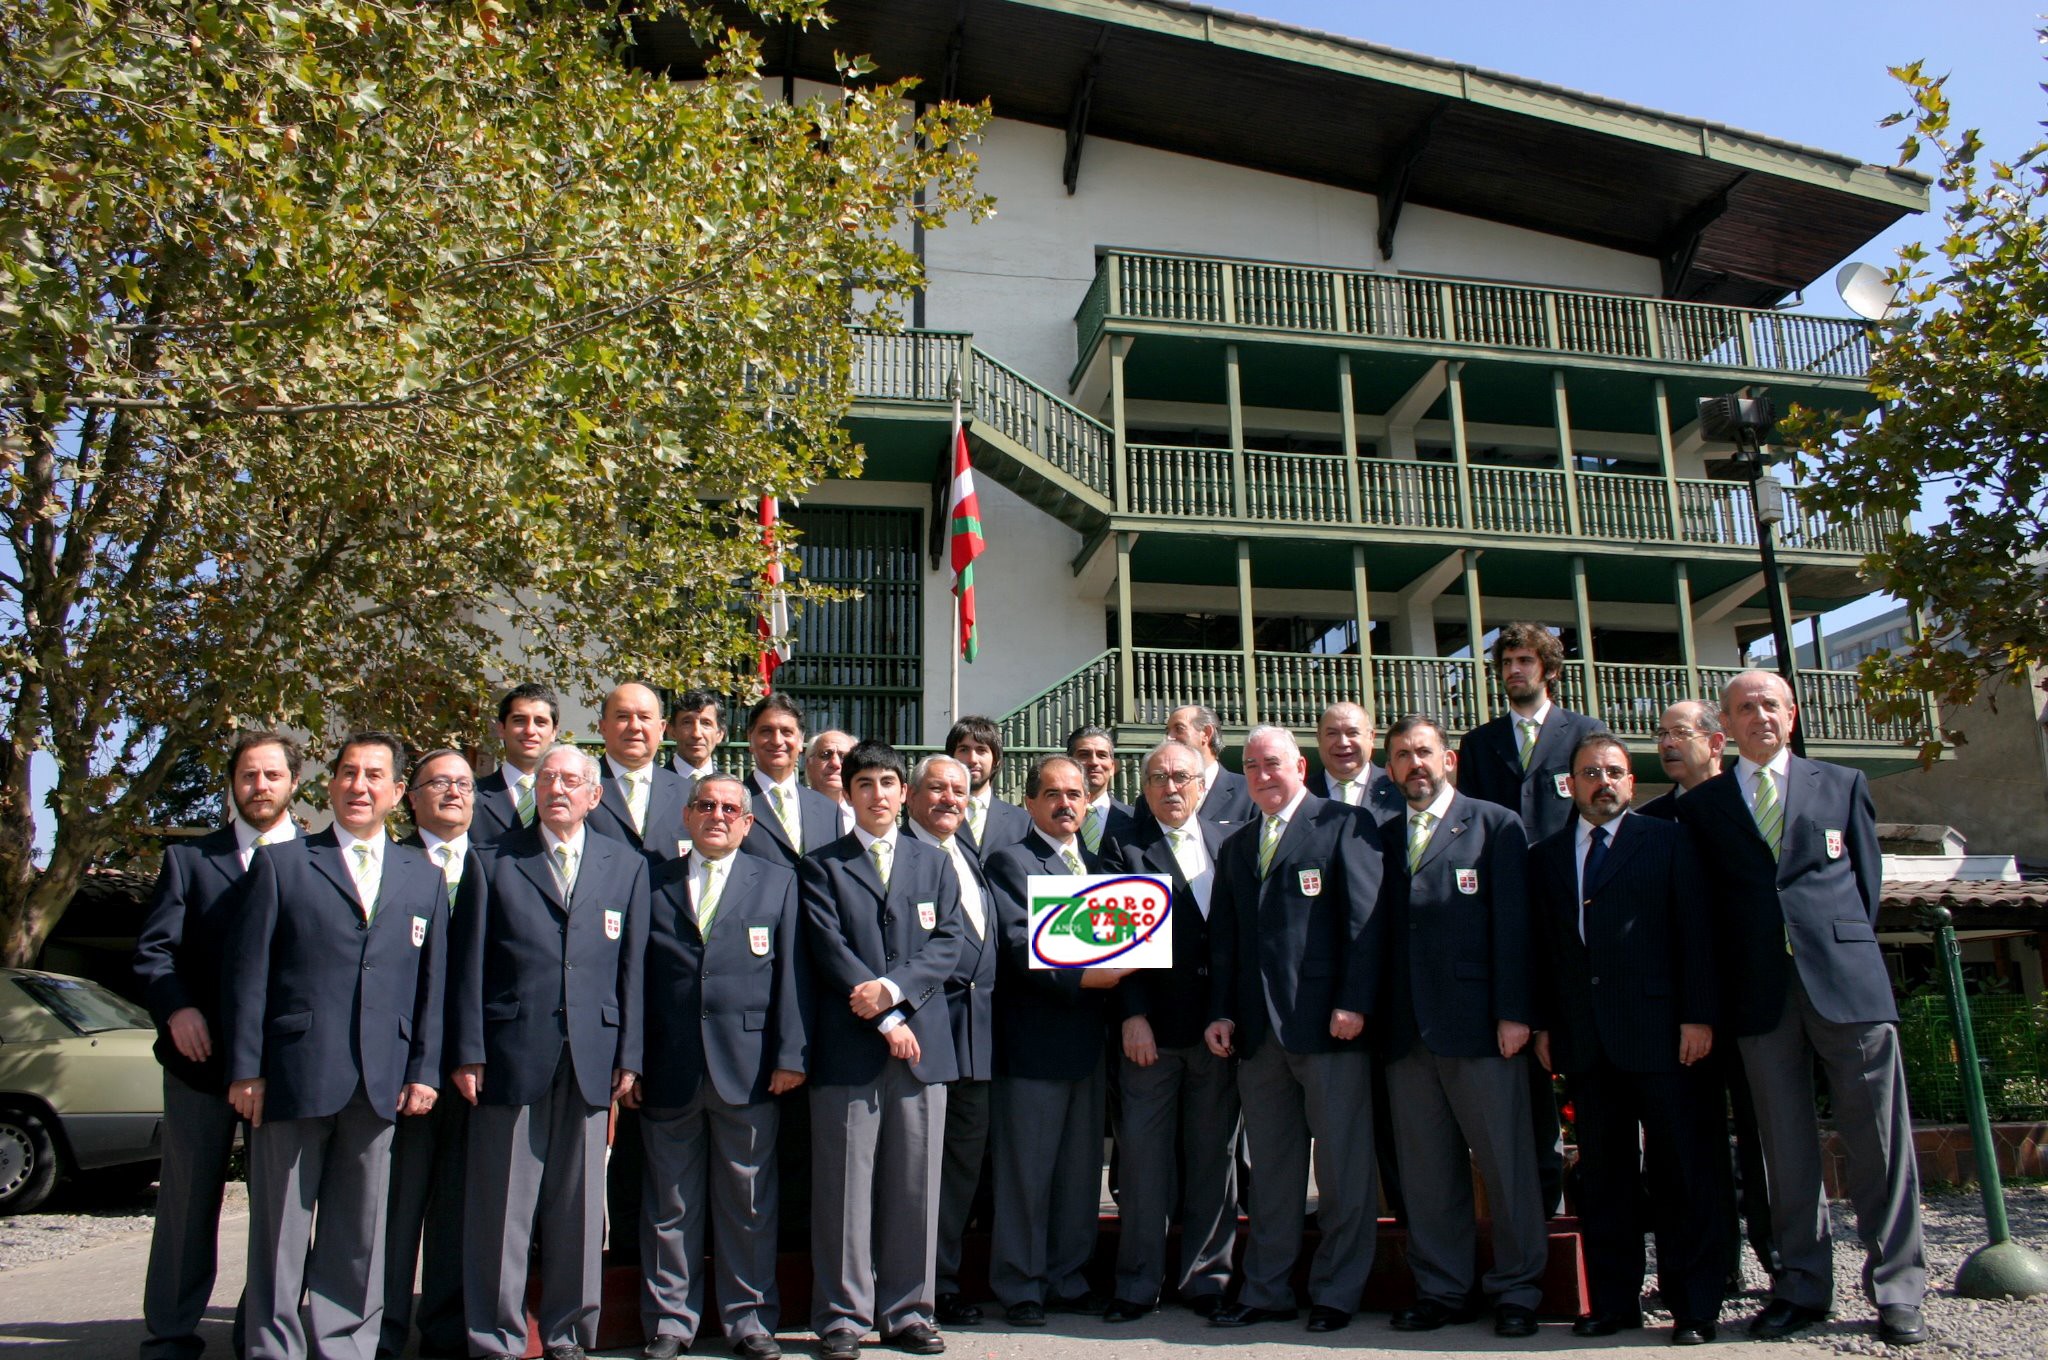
x: 1583, y: 612
x: 1455, y: 389
x: 1119, y: 466
x: 1482, y: 706
x: 1688, y: 645
x: 1567, y: 457
x: 1361, y: 602
x: 1244, y: 636
x: 1669, y: 454
x: 1354, y: 502
x: 1238, y: 499
x: 1126, y: 661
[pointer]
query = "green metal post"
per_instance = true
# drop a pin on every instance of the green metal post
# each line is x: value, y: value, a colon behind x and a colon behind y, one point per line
x: 2002, y: 1268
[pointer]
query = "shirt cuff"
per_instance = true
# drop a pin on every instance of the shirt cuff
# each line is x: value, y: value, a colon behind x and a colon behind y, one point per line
x: 889, y: 1021
x: 895, y: 992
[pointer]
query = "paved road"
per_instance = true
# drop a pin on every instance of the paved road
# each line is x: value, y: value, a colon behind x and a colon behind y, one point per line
x: 84, y: 1307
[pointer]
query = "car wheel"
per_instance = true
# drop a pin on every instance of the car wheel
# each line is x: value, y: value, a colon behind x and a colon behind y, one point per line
x: 28, y: 1162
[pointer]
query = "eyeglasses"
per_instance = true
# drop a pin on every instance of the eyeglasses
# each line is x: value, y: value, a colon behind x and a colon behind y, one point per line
x: 705, y: 807
x: 571, y: 782
x: 1179, y: 779
x: 442, y: 783
x: 1595, y: 773
x: 1665, y: 734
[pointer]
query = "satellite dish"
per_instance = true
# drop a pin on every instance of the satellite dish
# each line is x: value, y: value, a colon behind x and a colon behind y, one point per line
x: 1866, y: 291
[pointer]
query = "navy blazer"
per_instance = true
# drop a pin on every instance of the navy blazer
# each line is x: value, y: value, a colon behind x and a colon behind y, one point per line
x: 1820, y: 895
x: 857, y: 932
x: 1457, y: 960
x: 817, y: 818
x: 1490, y: 769
x: 971, y: 991
x: 1664, y: 807
x: 1048, y: 1026
x: 1382, y: 802
x: 1175, y: 1001
x: 1645, y: 966
x: 319, y: 1002
x: 1288, y: 949
x: 184, y: 937
x: 532, y: 972
x: 665, y: 837
x: 494, y: 812
x: 734, y: 1007
x: 1007, y: 824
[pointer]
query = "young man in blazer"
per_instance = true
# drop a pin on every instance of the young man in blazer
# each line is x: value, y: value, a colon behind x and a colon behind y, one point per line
x: 528, y: 717
x: 1179, y: 1099
x: 1790, y: 847
x: 977, y: 743
x: 1625, y: 986
x: 1294, y: 941
x: 727, y: 1023
x: 178, y: 960
x: 1051, y: 1036
x: 882, y: 919
x: 641, y: 800
x: 544, y: 1015
x: 790, y: 821
x: 1104, y: 821
x: 1455, y: 1018
x: 332, y: 1012
x: 429, y: 1152
x: 937, y: 807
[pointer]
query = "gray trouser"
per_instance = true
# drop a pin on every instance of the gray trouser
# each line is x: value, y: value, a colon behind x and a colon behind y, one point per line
x: 198, y: 1136
x: 1289, y: 1099
x: 723, y: 1155
x: 967, y: 1117
x: 541, y: 1163
x: 428, y: 1155
x: 1193, y: 1093
x: 339, y: 1167
x: 1449, y: 1113
x: 875, y: 1201
x: 1048, y: 1156
x: 1867, y: 1081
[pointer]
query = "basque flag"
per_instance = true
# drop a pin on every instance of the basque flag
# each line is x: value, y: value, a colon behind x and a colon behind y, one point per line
x: 967, y: 541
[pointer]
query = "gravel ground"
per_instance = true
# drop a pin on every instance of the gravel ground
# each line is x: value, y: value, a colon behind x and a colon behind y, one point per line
x: 71, y: 1227
x: 1953, y: 1224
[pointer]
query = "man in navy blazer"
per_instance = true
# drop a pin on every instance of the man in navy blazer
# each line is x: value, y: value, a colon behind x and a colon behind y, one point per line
x: 178, y: 961
x: 332, y: 1014
x: 882, y: 919
x: 696, y: 727
x: 1105, y: 821
x: 1454, y: 1020
x: 977, y: 743
x: 727, y: 983
x: 1790, y: 847
x: 1051, y: 1034
x: 1626, y: 991
x: 641, y: 800
x: 529, y: 715
x: 1226, y: 799
x: 790, y: 821
x: 937, y: 806
x: 1179, y: 1099
x: 1294, y: 942
x: 1344, y: 737
x: 544, y: 1020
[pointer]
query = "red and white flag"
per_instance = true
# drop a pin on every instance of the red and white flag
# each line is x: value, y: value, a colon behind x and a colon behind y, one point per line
x: 967, y: 540
x: 774, y: 624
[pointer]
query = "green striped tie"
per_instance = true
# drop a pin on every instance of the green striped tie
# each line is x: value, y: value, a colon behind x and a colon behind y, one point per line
x: 1418, y: 837
x: 1770, y: 817
x: 1269, y: 841
x: 1528, y: 739
x: 1091, y: 830
x: 524, y: 803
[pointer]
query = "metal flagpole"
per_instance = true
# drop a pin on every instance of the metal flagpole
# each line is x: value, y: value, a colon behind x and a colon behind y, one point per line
x: 952, y: 489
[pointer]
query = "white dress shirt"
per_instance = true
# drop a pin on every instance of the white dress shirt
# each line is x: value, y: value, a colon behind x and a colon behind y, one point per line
x: 549, y: 840
x: 449, y: 864
x: 371, y: 877
x: 1191, y: 853
x: 626, y: 778
x: 1780, y: 767
x: 247, y: 837
x: 970, y: 891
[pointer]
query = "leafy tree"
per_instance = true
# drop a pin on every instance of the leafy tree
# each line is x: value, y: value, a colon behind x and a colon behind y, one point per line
x: 357, y: 356
x: 1962, y: 372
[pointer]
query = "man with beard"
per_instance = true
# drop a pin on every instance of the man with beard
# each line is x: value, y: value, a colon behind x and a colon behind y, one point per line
x: 991, y: 823
x: 178, y: 960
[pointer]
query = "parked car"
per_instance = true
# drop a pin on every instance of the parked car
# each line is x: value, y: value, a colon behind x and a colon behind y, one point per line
x: 81, y: 1095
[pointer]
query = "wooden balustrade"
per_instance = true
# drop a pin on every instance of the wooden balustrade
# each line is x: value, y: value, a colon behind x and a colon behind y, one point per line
x: 1517, y: 500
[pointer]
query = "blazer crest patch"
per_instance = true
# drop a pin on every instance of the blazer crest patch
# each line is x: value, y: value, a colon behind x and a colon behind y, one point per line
x: 1562, y: 782
x: 1834, y: 844
x: 928, y: 915
x: 757, y: 941
x: 614, y: 922
x: 419, y: 931
x: 1311, y: 882
x: 1468, y: 881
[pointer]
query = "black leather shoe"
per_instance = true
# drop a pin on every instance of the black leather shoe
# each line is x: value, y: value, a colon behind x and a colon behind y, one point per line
x: 1025, y: 1314
x: 1512, y: 1319
x: 757, y: 1346
x: 1783, y: 1318
x: 568, y: 1352
x: 954, y: 1310
x: 1245, y: 1315
x: 1606, y: 1324
x: 663, y: 1348
x: 1325, y: 1319
x: 919, y: 1338
x: 1901, y: 1324
x: 1087, y: 1301
x: 1203, y: 1305
x: 1126, y: 1310
x: 1685, y: 1333
x: 841, y: 1343
x: 1426, y: 1315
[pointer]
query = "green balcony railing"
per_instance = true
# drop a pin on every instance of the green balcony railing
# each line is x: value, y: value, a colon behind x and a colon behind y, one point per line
x: 1307, y: 299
